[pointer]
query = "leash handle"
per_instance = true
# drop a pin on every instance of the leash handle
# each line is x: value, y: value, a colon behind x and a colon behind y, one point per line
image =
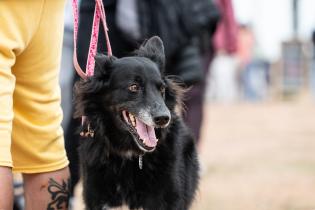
x: 99, y: 14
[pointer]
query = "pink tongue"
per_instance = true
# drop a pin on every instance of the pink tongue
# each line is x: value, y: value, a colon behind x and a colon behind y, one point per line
x: 146, y: 133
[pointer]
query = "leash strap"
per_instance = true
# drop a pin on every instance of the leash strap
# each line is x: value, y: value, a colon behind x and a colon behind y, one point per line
x: 103, y: 17
x: 99, y: 14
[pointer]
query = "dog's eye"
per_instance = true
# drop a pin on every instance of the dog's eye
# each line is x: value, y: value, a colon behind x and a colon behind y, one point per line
x: 134, y: 88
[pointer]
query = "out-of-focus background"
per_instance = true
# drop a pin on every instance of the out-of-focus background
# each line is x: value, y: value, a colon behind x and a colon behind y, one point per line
x: 252, y: 105
x: 258, y: 143
x: 257, y: 123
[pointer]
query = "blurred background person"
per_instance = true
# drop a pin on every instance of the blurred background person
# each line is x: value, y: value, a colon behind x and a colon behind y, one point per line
x: 223, y: 70
x: 253, y: 71
x: 312, y: 74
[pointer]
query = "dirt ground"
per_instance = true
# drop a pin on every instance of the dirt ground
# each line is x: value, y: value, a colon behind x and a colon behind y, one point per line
x: 257, y: 157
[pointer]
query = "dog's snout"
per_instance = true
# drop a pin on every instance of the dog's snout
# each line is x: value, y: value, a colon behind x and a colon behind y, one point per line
x: 162, y: 120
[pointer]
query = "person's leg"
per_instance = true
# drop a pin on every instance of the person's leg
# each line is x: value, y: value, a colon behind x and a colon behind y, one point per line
x: 194, y: 106
x: 6, y: 186
x: 47, y: 190
x: 195, y: 100
x: 14, y: 35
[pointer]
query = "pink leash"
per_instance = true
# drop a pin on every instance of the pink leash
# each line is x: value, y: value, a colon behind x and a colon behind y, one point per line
x: 99, y: 14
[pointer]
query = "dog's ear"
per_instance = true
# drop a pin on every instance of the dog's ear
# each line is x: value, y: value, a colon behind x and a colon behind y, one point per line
x: 153, y: 49
x: 174, y: 94
x: 103, y: 65
x: 87, y: 92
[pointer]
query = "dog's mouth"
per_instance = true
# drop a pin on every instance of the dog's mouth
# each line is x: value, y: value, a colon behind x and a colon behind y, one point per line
x: 144, y: 135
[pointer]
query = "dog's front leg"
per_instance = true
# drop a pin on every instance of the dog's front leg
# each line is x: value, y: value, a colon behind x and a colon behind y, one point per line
x: 98, y: 207
x: 93, y: 201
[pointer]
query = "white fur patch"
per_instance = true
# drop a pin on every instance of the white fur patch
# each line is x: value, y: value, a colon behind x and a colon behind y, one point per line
x: 146, y: 117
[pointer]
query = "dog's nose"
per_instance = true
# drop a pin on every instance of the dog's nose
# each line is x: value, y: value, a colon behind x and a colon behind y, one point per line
x: 161, y: 120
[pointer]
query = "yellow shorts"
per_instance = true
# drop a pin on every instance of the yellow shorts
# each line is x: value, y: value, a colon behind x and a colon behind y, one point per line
x: 31, y: 138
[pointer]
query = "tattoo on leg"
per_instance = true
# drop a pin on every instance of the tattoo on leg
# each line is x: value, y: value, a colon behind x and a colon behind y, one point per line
x: 60, y: 194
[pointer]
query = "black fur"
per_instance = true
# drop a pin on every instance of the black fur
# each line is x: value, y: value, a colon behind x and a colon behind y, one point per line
x: 109, y: 161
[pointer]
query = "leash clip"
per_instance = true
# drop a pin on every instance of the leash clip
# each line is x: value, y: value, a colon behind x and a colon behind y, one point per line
x: 88, y: 133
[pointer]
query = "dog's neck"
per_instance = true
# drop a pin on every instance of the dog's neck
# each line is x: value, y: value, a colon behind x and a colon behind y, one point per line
x: 129, y: 154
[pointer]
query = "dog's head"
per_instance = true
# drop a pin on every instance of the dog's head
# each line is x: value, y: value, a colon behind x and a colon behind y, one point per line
x: 132, y: 94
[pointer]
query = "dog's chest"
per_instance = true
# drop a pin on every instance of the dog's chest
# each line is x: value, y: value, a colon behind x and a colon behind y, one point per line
x: 130, y: 185
x: 132, y: 174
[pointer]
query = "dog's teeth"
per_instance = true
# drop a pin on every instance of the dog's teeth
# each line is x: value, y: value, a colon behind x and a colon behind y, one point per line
x: 133, y: 122
x: 132, y: 119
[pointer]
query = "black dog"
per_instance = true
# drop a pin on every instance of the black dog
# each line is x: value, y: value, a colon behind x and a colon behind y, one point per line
x: 137, y: 150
